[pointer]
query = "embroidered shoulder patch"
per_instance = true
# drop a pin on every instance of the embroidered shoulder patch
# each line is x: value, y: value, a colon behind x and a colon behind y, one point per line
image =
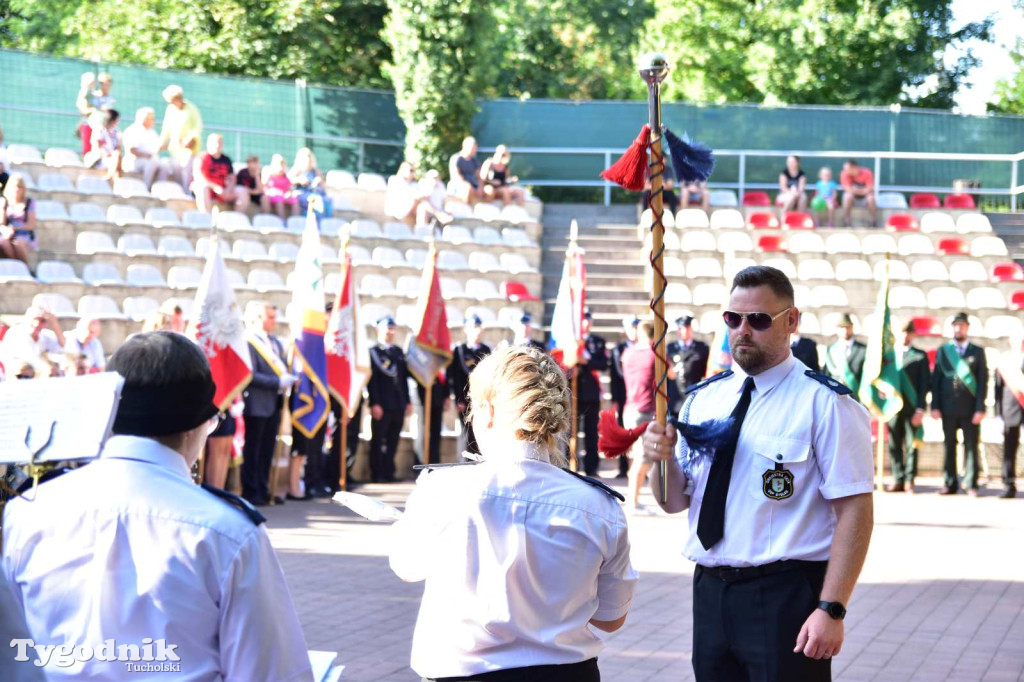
x: 836, y: 385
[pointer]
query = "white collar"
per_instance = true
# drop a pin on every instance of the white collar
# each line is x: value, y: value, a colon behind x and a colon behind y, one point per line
x: 145, y: 450
x: 518, y: 450
x: 768, y: 379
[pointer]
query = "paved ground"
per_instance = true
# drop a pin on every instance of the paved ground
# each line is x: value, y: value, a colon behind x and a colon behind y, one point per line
x: 941, y: 597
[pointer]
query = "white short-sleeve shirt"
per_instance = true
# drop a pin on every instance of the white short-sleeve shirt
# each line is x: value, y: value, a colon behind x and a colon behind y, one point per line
x: 802, y: 445
x: 517, y: 556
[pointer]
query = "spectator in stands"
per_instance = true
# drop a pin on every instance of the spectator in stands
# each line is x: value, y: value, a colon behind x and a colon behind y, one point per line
x: 250, y: 179
x: 277, y: 188
x: 498, y: 184
x: 142, y: 149
x: 696, y: 194
x: 182, y: 132
x: 668, y: 196
x: 858, y: 188
x: 4, y: 176
x: 91, y: 103
x: 309, y: 181
x: 169, y: 318
x: 105, y: 149
x: 434, y: 194
x: 217, y: 177
x: 404, y: 194
x: 792, y: 186
x: 25, y: 369
x: 84, y: 342
x: 17, y: 220
x: 825, y: 196
x: 464, y: 171
x: 37, y: 339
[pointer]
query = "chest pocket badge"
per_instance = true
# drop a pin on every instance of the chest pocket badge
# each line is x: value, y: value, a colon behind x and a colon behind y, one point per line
x: 778, y: 483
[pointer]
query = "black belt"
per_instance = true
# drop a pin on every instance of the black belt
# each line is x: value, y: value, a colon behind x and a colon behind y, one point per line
x: 735, y: 574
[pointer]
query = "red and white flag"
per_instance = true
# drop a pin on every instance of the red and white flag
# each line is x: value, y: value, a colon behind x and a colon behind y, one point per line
x: 348, y: 362
x: 566, y: 344
x: 218, y: 329
x: 431, y: 350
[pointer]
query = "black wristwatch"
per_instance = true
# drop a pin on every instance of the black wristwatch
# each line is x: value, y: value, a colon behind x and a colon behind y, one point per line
x: 834, y: 609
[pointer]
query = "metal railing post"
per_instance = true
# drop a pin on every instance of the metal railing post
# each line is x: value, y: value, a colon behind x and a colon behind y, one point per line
x: 607, y: 185
x: 1013, y: 185
x: 238, y: 146
x: 362, y: 157
x: 743, y: 176
x: 878, y: 174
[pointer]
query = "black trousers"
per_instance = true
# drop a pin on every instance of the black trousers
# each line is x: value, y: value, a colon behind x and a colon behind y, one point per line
x: 588, y: 414
x: 902, y: 451
x: 351, y: 438
x: 314, y: 474
x: 384, y: 433
x: 436, y: 412
x: 1011, y: 439
x: 950, y: 425
x: 573, y: 672
x: 623, y: 461
x: 258, y: 456
x: 745, y: 631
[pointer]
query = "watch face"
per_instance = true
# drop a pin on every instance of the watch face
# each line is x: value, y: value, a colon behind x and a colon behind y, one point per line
x: 836, y: 610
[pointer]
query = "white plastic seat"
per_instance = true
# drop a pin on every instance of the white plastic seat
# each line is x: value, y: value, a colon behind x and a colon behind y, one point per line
x: 891, y: 200
x: 130, y: 187
x: 515, y: 215
x: 486, y: 212
x: 692, y: 217
x: 722, y: 197
x: 416, y: 258
x: 407, y: 315
x: 704, y: 267
x: 56, y: 271
x: 376, y: 285
x: 329, y: 227
x: 809, y: 323
x: 388, y: 257
x: 90, y: 184
x: 515, y: 263
x: 483, y: 289
x: 58, y: 304
x: 451, y: 287
x: 173, y: 246
x: 183, y: 277
x: 710, y: 293
x: 408, y: 286
x: 366, y: 229
x: 945, y: 297
x: 233, y: 221
x: 87, y: 212
x: 14, y: 271
x: 261, y: 279
x: 339, y: 179
x: 805, y: 242
x: 60, y: 157
x: 23, y: 153
x: 165, y: 190
x: 1003, y: 326
x: 457, y: 234
x: 94, y: 242
x: 907, y: 297
x: 829, y: 296
x: 677, y: 292
x: 801, y: 296
x: 332, y: 282
x: 203, y: 247
x: 671, y: 241
x: 899, y: 271
x: 734, y: 265
x: 267, y: 222
x: 284, y: 251
x: 929, y: 271
x: 786, y: 266
x: 937, y: 222
x: 815, y: 268
x: 54, y: 182
x: 986, y: 297
x: 986, y: 246
x: 237, y: 279
x: 454, y: 315
x: 733, y: 242
x: 485, y: 314
x: 50, y: 210
x: 98, y: 274
x: 973, y: 222
x: 842, y: 242
x: 647, y: 219
x: 509, y: 316
x: 296, y: 224
x: 487, y: 236
x: 120, y: 214
x: 139, y: 308
x: 372, y: 182
x: 851, y: 269
x: 968, y: 271
x: 99, y: 306
x: 359, y: 255
x: 197, y: 220
x: 673, y: 266
x: 396, y: 230
x: 452, y: 260
x: 458, y: 209
x: 483, y: 261
x: 727, y: 219
x: 145, y: 275
x: 136, y: 245
x: 697, y: 240
x: 515, y: 237
x: 330, y: 253
x: 915, y: 245
x: 879, y: 243
x: 248, y: 250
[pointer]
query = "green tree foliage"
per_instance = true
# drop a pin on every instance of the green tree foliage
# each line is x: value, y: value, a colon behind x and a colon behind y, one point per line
x: 440, y: 63
x: 1008, y: 97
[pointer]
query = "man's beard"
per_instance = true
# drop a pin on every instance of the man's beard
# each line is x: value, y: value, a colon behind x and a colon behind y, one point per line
x: 751, y: 359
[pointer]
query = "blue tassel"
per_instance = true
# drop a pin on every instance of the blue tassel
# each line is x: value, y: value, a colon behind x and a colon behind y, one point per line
x: 703, y: 440
x: 692, y: 161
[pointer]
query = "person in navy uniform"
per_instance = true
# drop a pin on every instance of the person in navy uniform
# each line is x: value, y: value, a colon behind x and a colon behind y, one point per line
x: 524, y: 333
x: 915, y: 380
x: 804, y: 349
x: 388, y: 393
x: 465, y: 358
x: 845, y: 357
x: 959, y: 387
x: 439, y: 402
x: 588, y: 391
x: 689, y: 358
x: 1011, y: 409
x: 617, y: 383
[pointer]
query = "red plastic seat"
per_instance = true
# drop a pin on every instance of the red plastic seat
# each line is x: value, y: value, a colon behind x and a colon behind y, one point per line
x: 953, y: 246
x: 1007, y: 272
x: 926, y: 325
x: 516, y: 291
x: 797, y: 220
x: 771, y: 243
x: 756, y: 198
x: 762, y: 221
x: 902, y: 222
x: 924, y: 201
x: 959, y: 202
x: 1016, y: 300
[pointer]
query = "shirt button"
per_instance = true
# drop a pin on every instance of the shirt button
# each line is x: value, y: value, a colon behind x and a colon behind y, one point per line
x: 778, y: 457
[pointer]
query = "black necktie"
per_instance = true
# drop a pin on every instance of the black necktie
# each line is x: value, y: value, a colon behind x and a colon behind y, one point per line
x: 711, y: 523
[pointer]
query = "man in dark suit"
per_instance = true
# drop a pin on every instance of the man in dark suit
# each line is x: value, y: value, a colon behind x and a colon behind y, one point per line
x: 689, y: 358
x: 959, y: 384
x: 264, y: 400
x: 465, y: 358
x: 804, y: 349
x: 617, y: 382
x: 524, y: 333
x: 1009, y: 393
x: 844, y: 358
x: 905, y: 428
x: 588, y: 392
x: 388, y: 392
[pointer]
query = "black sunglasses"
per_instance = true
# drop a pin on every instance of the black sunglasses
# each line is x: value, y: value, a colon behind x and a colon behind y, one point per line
x: 757, y: 321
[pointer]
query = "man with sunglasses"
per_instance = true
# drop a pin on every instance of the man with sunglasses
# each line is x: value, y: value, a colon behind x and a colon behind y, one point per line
x: 128, y: 548
x: 781, y: 512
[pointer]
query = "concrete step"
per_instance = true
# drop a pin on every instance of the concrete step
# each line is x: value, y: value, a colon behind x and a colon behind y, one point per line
x: 634, y: 268
x: 588, y: 214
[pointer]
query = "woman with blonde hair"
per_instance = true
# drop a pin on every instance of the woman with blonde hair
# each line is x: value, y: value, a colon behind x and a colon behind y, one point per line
x: 520, y: 557
x: 308, y: 181
x: 17, y: 220
x: 498, y: 184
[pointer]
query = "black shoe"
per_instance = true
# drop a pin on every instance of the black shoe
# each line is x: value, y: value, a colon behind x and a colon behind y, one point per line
x: 319, y: 493
x: 295, y: 498
x: 947, y: 490
x: 278, y: 500
x: 1008, y: 494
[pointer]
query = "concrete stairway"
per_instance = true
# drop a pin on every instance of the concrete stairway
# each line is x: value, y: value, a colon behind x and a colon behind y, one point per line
x: 1010, y: 228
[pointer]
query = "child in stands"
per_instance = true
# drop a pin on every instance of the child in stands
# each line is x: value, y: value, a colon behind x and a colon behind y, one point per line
x: 825, y: 195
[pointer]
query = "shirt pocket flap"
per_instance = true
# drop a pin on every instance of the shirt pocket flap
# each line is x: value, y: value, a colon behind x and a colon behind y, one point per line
x: 782, y: 450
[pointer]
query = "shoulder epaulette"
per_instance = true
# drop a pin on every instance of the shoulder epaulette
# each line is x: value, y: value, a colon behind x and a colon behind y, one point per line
x: 711, y: 379
x: 243, y: 505
x: 443, y: 465
x: 597, y: 484
x: 837, y: 386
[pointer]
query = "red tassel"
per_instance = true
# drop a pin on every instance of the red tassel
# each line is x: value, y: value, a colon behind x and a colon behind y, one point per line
x: 630, y: 171
x: 612, y: 439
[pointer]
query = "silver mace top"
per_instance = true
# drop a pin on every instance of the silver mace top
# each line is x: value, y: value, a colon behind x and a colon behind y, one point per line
x: 653, y: 67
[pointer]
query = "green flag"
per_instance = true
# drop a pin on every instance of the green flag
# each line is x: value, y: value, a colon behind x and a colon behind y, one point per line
x: 880, y: 384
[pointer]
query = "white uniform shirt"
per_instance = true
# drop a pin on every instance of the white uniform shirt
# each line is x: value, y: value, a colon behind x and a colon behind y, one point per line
x: 794, y: 424
x: 518, y: 556
x: 128, y: 548
x: 138, y: 136
x: 93, y: 351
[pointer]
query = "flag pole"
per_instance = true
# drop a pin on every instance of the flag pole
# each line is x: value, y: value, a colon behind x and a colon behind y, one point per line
x: 653, y: 70
x: 278, y: 441
x: 429, y: 388
x: 880, y: 457
x: 574, y: 430
x: 345, y: 410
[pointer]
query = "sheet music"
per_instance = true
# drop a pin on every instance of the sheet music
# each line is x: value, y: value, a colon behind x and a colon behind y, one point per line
x: 80, y: 410
x: 323, y: 666
x: 367, y: 507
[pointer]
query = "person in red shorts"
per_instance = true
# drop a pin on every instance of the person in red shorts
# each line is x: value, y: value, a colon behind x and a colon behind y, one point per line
x: 217, y: 176
x: 858, y: 188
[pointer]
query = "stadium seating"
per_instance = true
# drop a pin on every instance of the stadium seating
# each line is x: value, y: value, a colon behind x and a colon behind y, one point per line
x: 1003, y: 326
x: 945, y: 297
x: 807, y: 242
x: 483, y: 290
x: 959, y: 202
x: 986, y: 297
x: 53, y: 272
x: 136, y: 245
x: 709, y: 293
x: 902, y: 222
x: 829, y: 296
x: 925, y: 325
x: 967, y: 223
x: 907, y: 297
x: 130, y: 187
x: 915, y: 245
x: 703, y: 267
x: 417, y: 258
x: 892, y: 201
x: 762, y: 220
x: 937, y: 222
x: 784, y: 265
x: 99, y: 274
x: 139, y: 307
x: 102, y: 307
x: 94, y: 242
x: 771, y: 243
x: 731, y: 241
x: 756, y: 198
x: 851, y: 269
x: 841, y: 242
x: 724, y: 198
x: 698, y: 240
x: 167, y: 191
x: 90, y: 184
x: 23, y: 153
x: 899, y: 271
x: 1016, y: 300
x: 87, y: 212
x: 988, y: 246
x: 796, y: 220
x: 929, y: 271
x: 145, y: 275
x: 122, y: 215
x: 924, y: 201
x: 175, y: 247
x: 60, y: 157
x: 677, y: 292
x: 183, y: 277
x: 967, y: 271
x: 815, y: 268
x: 517, y: 291
x: 267, y: 223
x: 952, y: 246
x: 692, y: 217
x: 1007, y: 272
x: 727, y: 219
x: 197, y: 220
x: 14, y: 271
x: 55, y: 182
x: 878, y: 243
